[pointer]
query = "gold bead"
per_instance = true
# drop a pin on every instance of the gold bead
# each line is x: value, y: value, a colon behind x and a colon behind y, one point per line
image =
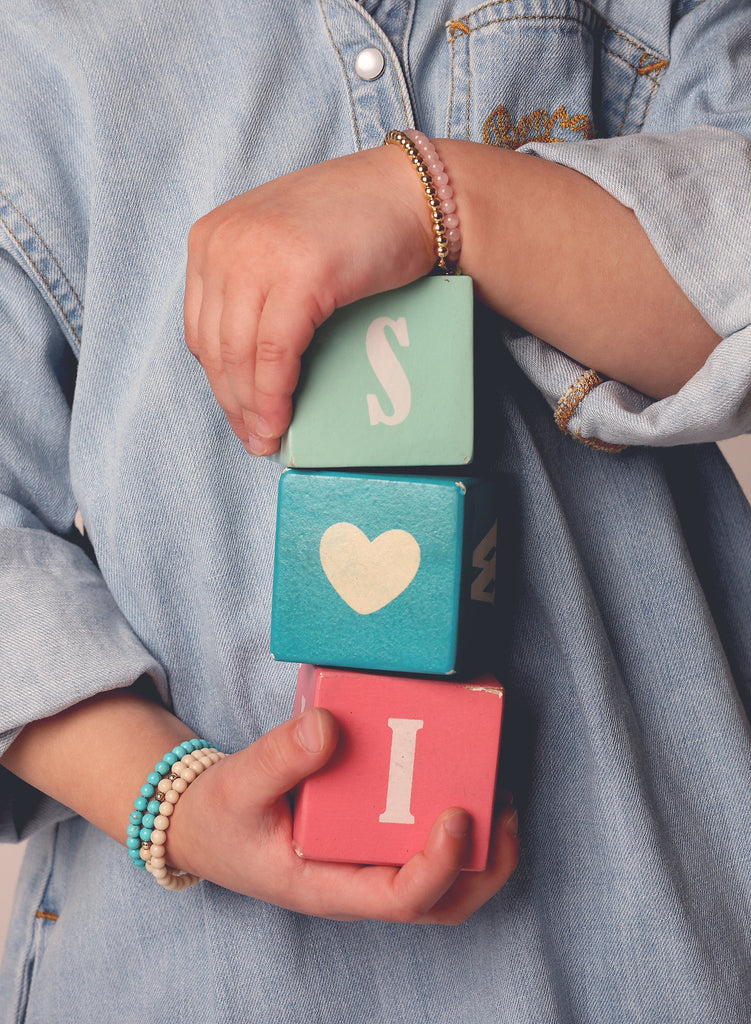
x: 396, y: 136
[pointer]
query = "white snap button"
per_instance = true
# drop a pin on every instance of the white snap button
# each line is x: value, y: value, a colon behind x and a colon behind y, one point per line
x: 369, y: 64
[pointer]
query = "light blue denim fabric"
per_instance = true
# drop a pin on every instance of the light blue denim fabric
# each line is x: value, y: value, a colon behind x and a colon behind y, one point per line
x: 623, y: 634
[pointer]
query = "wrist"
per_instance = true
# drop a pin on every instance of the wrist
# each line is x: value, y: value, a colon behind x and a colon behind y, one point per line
x: 407, y: 194
x: 439, y: 201
x: 115, y: 728
x: 154, y: 810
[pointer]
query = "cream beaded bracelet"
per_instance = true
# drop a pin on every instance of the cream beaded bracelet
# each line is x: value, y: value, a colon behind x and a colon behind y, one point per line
x: 174, y: 785
x: 150, y: 819
x: 439, y: 193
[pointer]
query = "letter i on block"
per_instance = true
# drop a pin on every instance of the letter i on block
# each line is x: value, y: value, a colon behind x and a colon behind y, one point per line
x: 392, y: 573
x: 408, y: 749
x: 388, y: 381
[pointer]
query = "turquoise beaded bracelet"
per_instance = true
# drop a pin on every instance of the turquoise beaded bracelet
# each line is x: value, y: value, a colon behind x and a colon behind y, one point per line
x: 148, y: 804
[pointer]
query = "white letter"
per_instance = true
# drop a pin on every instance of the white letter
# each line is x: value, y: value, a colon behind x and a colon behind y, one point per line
x: 399, y: 796
x: 388, y: 370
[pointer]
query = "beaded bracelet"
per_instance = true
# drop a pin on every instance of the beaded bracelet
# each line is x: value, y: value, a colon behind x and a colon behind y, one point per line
x: 439, y: 193
x: 156, y: 802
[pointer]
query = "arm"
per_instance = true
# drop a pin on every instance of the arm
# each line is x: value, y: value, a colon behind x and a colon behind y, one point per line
x: 547, y: 247
x: 685, y: 179
x: 233, y: 824
x: 64, y: 641
x: 555, y: 253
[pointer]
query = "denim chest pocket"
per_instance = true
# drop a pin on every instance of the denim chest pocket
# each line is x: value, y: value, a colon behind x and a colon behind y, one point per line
x: 546, y: 71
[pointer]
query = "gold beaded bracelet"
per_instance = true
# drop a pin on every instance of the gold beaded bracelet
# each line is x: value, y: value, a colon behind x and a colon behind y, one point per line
x: 439, y: 194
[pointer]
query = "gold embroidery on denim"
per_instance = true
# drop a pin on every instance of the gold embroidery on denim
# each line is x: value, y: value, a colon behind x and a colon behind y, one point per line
x: 658, y: 65
x: 459, y: 26
x: 47, y: 915
x: 539, y: 126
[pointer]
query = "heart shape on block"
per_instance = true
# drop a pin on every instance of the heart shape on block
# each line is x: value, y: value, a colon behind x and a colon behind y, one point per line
x: 366, y: 574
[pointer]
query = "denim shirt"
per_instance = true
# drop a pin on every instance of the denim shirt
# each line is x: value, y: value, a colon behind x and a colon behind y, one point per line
x: 622, y: 620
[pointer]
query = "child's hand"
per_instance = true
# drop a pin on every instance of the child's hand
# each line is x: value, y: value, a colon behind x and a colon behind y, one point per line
x: 268, y: 267
x: 233, y: 827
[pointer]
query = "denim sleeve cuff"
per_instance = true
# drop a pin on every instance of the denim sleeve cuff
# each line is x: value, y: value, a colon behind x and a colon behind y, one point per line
x: 690, y: 192
x: 63, y: 639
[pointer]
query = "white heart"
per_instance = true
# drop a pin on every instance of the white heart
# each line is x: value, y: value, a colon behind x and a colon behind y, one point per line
x: 368, y: 574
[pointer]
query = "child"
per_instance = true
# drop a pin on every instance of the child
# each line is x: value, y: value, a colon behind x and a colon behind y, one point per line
x: 623, y: 637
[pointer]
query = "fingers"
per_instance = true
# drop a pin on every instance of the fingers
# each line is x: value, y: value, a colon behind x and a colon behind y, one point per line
x: 203, y: 309
x: 430, y: 888
x: 348, y: 892
x: 276, y: 762
x: 266, y: 268
x: 430, y: 874
x: 285, y: 330
x: 473, y: 889
x: 250, y: 351
x: 247, y: 792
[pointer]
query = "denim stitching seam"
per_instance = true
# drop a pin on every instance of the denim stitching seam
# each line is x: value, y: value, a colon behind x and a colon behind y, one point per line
x: 52, y: 256
x: 653, y: 93
x: 43, y: 279
x: 469, y: 98
x: 581, y: 3
x: 453, y: 83
x: 346, y: 76
x: 628, y: 104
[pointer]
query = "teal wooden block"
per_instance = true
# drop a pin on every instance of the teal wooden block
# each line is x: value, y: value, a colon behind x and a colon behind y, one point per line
x: 391, y: 573
x: 388, y: 381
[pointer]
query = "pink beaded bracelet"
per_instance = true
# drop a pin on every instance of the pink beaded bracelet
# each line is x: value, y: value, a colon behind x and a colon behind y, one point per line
x: 171, y: 787
x: 439, y: 193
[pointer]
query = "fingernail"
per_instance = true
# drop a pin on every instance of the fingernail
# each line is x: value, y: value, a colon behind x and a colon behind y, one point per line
x: 262, y: 428
x: 458, y: 825
x: 255, y: 445
x: 310, y: 732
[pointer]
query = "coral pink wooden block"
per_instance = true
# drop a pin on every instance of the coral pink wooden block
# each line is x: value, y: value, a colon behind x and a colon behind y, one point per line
x: 408, y: 749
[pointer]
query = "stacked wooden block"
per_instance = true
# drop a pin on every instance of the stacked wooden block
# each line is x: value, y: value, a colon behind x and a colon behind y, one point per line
x: 384, y: 578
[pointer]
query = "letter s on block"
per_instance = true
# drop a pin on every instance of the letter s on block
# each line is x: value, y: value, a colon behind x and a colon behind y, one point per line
x: 389, y: 370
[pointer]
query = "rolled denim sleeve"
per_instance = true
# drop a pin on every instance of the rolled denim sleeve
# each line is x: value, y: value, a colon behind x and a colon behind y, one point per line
x: 687, y: 177
x: 63, y: 638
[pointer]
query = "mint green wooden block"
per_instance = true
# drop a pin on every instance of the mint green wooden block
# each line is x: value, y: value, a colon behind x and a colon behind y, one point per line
x: 388, y: 381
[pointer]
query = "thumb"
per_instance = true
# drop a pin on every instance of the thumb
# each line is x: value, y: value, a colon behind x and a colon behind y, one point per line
x: 285, y: 756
